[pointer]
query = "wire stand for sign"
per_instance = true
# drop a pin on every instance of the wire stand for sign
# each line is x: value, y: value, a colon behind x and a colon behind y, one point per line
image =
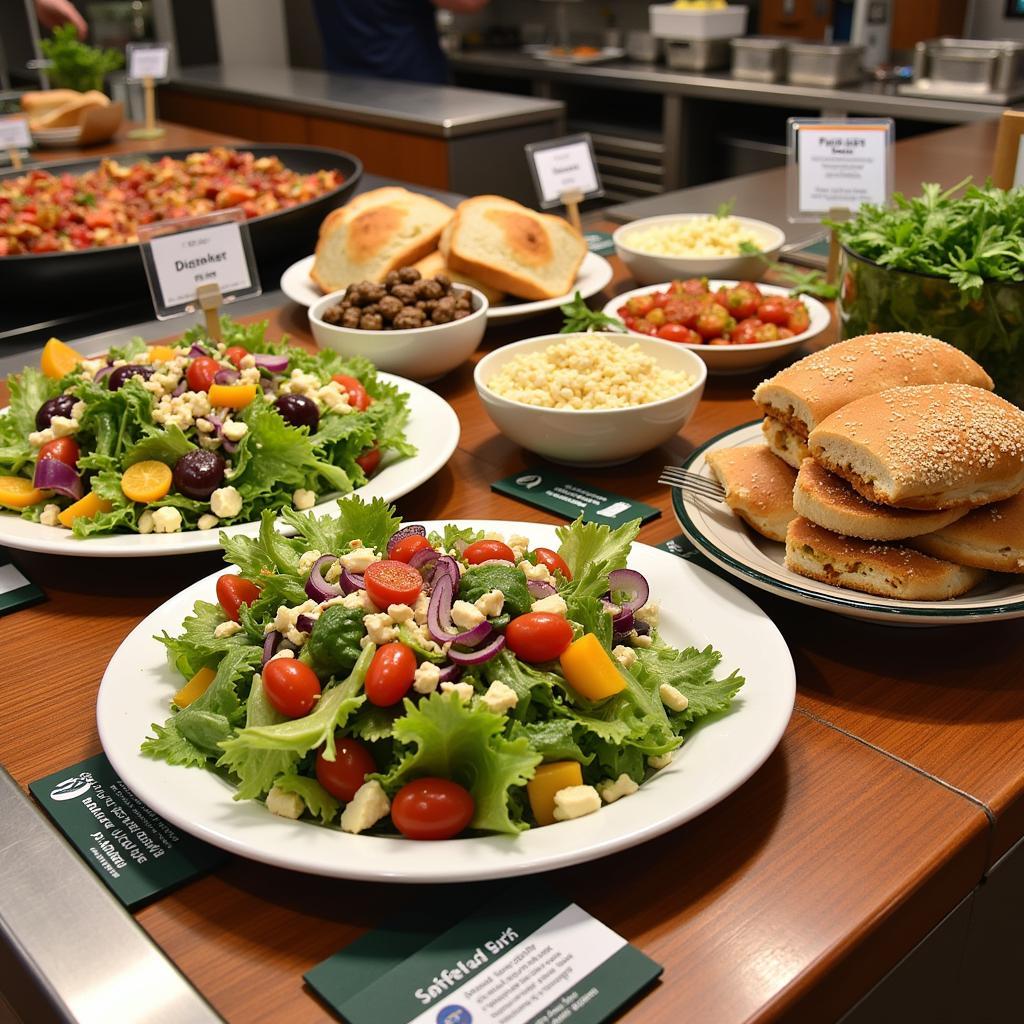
x: 209, y: 298
x: 15, y: 157
x: 571, y: 201
x: 151, y: 129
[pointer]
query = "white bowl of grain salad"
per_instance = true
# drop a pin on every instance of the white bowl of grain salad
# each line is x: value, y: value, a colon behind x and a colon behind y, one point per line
x: 593, y: 399
x: 696, y: 245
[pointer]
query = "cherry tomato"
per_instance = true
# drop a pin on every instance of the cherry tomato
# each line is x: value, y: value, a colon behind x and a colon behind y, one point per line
x: 713, y: 322
x: 767, y: 332
x: 236, y: 354
x: 745, y: 332
x: 799, y: 319
x: 233, y: 591
x: 201, y: 372
x: 392, y: 582
x: 63, y: 449
x: 407, y: 547
x: 291, y: 686
x: 774, y: 310
x: 538, y: 636
x: 390, y: 674
x: 553, y: 561
x: 347, y: 772
x: 369, y: 461
x: 639, y: 305
x: 679, y: 333
x: 357, y: 396
x: 487, y: 550
x: 739, y: 302
x: 432, y: 809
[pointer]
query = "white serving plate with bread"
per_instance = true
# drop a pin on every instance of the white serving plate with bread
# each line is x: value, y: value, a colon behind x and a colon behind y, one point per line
x: 723, y: 538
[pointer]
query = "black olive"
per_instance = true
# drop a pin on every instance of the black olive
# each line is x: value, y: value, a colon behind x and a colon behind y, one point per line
x: 299, y: 411
x: 119, y: 377
x: 199, y: 473
x: 59, y: 406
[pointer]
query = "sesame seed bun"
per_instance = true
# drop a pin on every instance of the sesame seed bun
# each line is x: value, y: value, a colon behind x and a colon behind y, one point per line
x: 785, y: 443
x: 758, y: 487
x: 991, y: 537
x: 886, y: 570
x: 804, y: 394
x: 830, y: 502
x: 931, y: 447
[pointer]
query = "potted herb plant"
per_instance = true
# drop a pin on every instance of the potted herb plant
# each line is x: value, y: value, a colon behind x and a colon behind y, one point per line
x: 76, y: 65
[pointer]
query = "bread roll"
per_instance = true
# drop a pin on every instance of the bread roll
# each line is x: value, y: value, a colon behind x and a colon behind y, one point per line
x: 930, y: 447
x: 434, y: 264
x: 831, y: 503
x: 886, y: 570
x: 42, y: 100
x: 758, y: 487
x: 375, y: 233
x: 802, y: 395
x: 512, y: 248
x: 991, y: 537
x: 69, y: 114
x: 785, y: 443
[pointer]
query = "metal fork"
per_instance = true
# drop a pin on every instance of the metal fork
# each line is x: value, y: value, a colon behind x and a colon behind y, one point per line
x: 674, y: 476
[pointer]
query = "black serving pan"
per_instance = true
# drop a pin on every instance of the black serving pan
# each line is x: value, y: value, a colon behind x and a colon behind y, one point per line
x: 37, y: 287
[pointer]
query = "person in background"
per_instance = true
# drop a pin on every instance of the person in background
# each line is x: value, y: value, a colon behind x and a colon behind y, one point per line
x: 52, y: 13
x: 387, y: 38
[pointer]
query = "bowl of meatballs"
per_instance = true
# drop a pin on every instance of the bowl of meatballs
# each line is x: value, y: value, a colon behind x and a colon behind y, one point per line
x: 414, y: 326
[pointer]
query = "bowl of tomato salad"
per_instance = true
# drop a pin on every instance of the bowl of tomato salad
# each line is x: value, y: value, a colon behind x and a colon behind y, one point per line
x: 734, y: 326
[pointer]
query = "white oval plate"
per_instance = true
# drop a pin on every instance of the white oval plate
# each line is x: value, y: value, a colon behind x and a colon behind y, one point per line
x: 728, y: 359
x: 595, y: 273
x: 433, y: 427
x: 723, y: 538
x: 697, y: 608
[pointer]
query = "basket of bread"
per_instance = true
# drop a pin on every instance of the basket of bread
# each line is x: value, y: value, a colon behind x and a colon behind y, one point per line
x: 64, y: 117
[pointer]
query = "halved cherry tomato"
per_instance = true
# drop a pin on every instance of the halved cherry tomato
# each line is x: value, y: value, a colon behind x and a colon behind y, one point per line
x: 369, y: 461
x: 390, y: 674
x: 487, y: 550
x: 233, y: 591
x: 63, y: 449
x: 432, y: 809
x: 408, y: 546
x: 347, y: 772
x: 291, y: 686
x: 553, y: 561
x: 201, y: 372
x: 774, y: 310
x: 392, y: 582
x: 357, y: 396
x: 538, y: 636
x: 679, y: 333
x: 236, y: 354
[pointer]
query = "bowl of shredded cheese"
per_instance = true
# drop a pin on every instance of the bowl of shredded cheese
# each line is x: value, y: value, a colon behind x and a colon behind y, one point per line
x: 594, y: 399
x: 696, y: 245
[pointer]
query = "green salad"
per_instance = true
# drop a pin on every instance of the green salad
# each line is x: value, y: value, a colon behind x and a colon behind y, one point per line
x: 193, y: 435
x: 373, y: 676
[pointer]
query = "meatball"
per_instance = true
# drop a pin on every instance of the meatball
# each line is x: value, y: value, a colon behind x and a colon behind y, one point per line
x: 351, y: 317
x: 390, y: 306
x: 404, y: 293
x: 409, y: 275
x: 371, y: 322
x: 444, y: 281
x: 392, y: 279
x: 408, y: 318
x: 428, y: 289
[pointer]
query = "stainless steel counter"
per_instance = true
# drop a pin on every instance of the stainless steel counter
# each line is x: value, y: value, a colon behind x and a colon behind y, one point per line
x: 436, y: 110
x: 868, y: 99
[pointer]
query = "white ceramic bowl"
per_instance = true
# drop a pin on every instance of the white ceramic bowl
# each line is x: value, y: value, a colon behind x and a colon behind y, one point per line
x: 728, y: 359
x: 592, y: 437
x: 649, y: 269
x: 422, y: 353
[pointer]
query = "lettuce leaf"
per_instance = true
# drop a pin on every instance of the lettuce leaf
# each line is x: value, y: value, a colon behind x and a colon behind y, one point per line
x: 592, y: 551
x: 372, y: 522
x: 464, y: 742
x: 318, y: 801
x: 451, y: 535
x: 554, y: 740
x: 196, y: 646
x: 165, y: 446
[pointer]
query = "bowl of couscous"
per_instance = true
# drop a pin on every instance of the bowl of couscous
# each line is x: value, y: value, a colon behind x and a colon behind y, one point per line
x: 696, y: 245
x: 594, y: 399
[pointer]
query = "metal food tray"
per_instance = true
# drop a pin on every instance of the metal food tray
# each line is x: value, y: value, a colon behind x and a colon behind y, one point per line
x: 91, y: 278
x: 983, y: 70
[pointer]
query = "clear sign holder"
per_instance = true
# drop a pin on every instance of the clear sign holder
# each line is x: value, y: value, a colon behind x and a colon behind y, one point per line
x: 148, y: 63
x: 564, y: 173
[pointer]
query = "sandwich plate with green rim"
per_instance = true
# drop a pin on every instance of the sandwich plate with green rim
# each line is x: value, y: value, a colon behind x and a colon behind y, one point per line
x: 723, y: 538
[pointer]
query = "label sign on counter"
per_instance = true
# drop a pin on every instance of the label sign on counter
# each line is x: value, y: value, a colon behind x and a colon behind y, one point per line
x: 147, y: 60
x: 838, y: 165
x: 181, y: 256
x: 134, y: 851
x: 565, y: 165
x: 14, y: 133
x: 543, y: 488
x: 526, y: 956
x: 16, y: 591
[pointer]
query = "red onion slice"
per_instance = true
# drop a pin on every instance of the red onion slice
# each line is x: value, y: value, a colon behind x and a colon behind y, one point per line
x: 449, y: 673
x: 424, y: 562
x: 413, y: 530
x: 273, y: 638
x: 180, y: 389
x: 275, y: 364
x: 102, y: 373
x: 226, y: 376
x: 629, y: 581
x: 439, y: 618
x: 623, y: 622
x: 351, y: 581
x: 447, y: 566
x: 316, y: 586
x: 538, y: 589
x: 197, y: 350
x: 478, y: 657
x: 305, y: 624
x: 54, y: 475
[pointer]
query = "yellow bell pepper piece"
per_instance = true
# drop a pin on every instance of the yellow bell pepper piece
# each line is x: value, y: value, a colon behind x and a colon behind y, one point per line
x: 547, y: 780
x: 195, y: 687
x: 86, y: 506
x: 58, y: 359
x: 18, y: 492
x: 231, y: 396
x: 161, y: 354
x: 589, y: 669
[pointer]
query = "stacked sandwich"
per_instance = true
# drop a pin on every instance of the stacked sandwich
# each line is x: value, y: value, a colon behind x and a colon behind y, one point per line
x: 904, y: 473
x: 489, y: 243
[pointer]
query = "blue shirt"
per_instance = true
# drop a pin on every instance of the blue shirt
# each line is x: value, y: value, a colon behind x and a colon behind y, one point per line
x: 383, y: 38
